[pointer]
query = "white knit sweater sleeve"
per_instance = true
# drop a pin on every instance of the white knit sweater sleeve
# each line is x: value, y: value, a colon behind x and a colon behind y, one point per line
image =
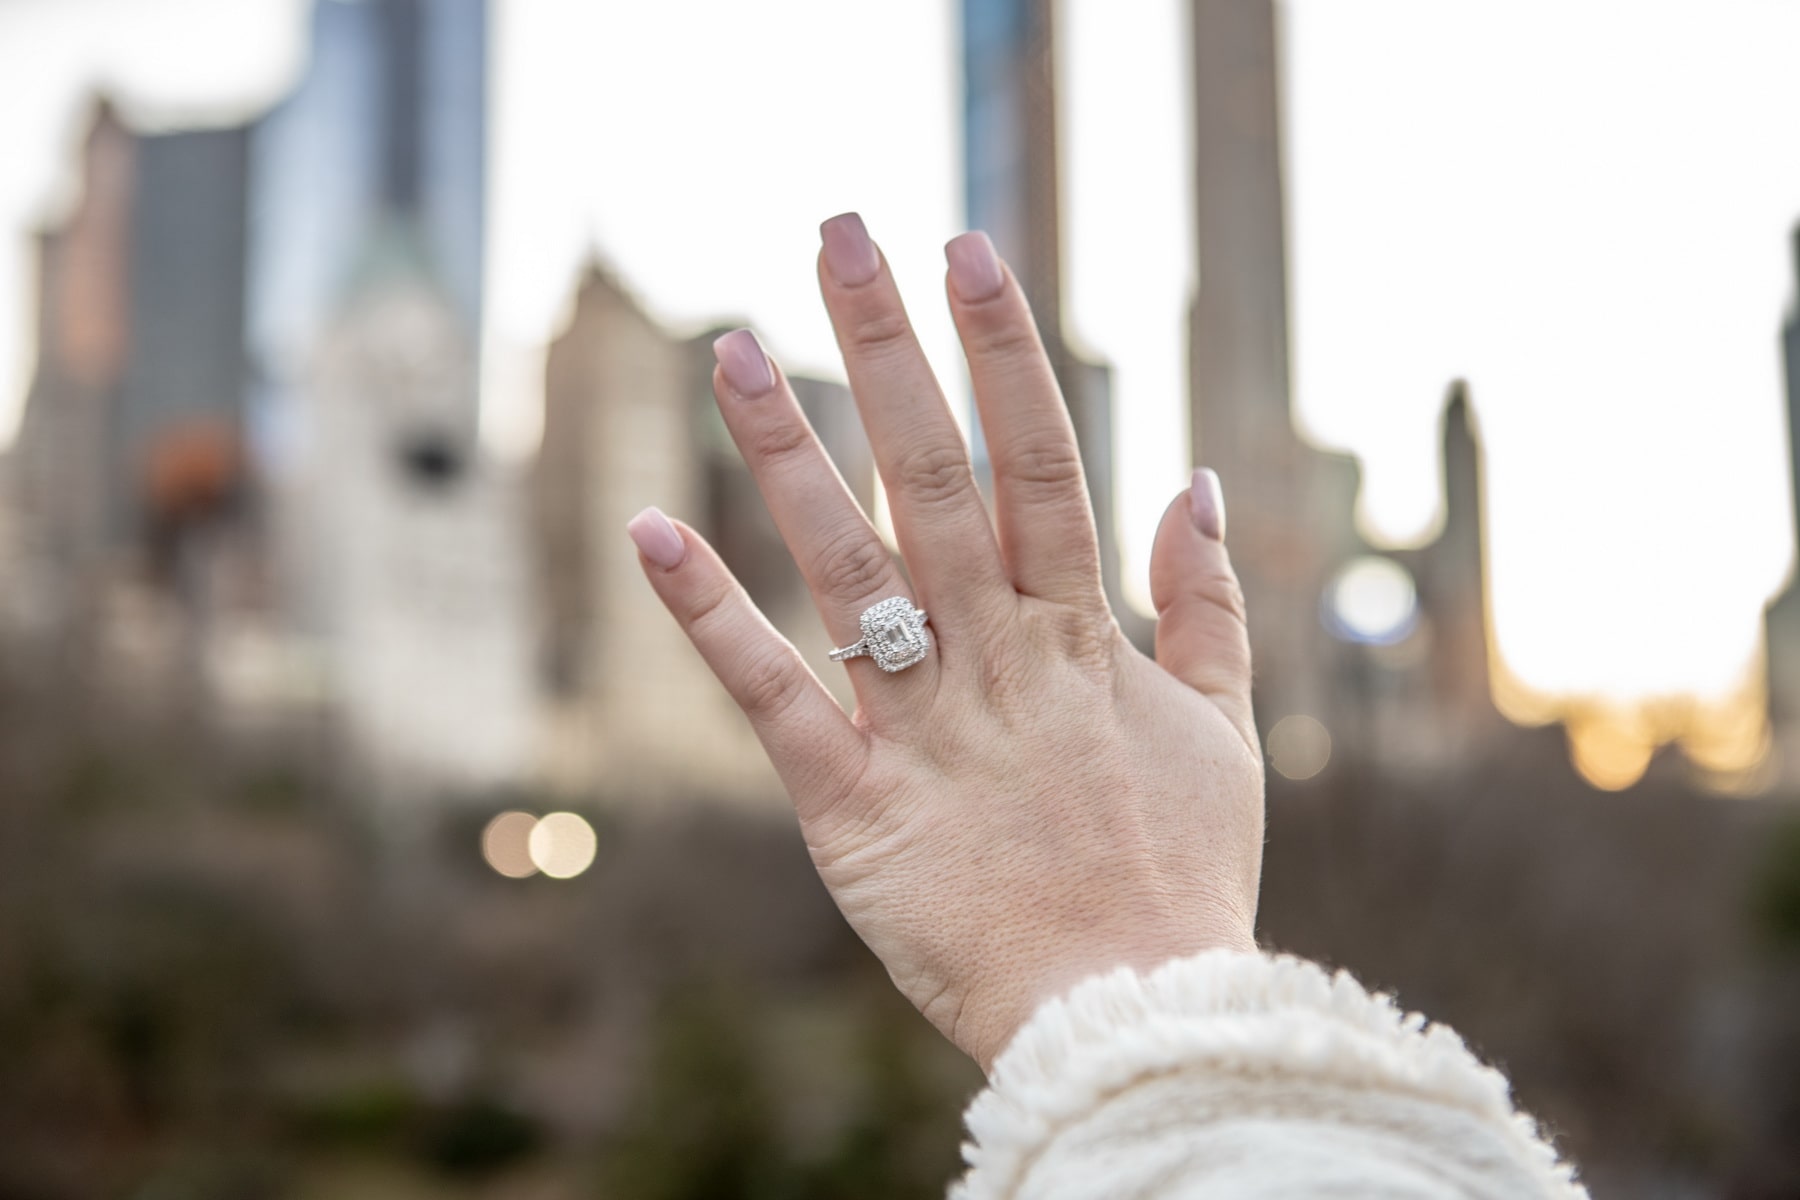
x: 1238, y: 1076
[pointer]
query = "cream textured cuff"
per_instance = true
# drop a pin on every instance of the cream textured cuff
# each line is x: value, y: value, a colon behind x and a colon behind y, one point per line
x: 1232, y: 1074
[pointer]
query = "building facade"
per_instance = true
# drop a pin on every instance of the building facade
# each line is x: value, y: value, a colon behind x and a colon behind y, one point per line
x: 629, y: 421
x: 258, y: 397
x: 1013, y: 193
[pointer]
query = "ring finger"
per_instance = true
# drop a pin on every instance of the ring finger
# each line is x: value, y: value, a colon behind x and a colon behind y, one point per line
x: 846, y: 565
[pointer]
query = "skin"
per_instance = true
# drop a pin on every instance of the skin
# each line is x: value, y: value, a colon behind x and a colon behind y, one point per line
x: 1035, y: 802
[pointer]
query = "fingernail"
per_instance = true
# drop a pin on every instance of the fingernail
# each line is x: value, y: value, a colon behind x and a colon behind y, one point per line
x: 656, y: 539
x: 1207, y: 504
x: 974, y: 267
x: 745, y: 365
x: 849, y: 254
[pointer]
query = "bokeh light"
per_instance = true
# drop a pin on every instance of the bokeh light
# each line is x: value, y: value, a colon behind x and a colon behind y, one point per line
x: 562, y: 845
x: 505, y: 843
x: 1610, y: 754
x: 1299, y: 747
x: 1372, y: 600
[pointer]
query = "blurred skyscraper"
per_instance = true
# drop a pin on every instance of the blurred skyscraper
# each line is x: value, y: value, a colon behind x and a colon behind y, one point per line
x: 1782, y: 628
x: 1291, y: 506
x: 69, y: 484
x: 261, y: 367
x: 131, y: 432
x: 629, y: 417
x: 1013, y: 193
x: 394, y: 537
x: 1389, y: 653
x: 1010, y: 144
x: 384, y: 136
x: 186, y: 286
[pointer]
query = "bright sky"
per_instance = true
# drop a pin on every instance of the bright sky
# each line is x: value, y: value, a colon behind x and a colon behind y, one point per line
x: 1579, y: 205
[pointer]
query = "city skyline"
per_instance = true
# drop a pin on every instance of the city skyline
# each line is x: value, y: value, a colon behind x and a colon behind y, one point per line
x: 1732, y: 512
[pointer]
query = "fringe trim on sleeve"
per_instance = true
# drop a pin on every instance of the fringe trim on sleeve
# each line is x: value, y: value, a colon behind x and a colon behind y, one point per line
x: 1226, y: 1013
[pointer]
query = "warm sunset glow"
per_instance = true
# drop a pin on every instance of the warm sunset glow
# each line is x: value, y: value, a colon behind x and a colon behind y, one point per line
x: 1610, y: 749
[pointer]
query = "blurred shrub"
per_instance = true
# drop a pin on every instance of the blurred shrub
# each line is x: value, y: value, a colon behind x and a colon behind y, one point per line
x: 229, y: 1175
x: 360, y: 1116
x: 712, y: 1119
x: 1775, y: 890
x: 479, y: 1136
x: 700, y: 1127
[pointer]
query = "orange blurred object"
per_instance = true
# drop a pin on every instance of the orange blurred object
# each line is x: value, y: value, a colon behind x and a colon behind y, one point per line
x: 192, y: 470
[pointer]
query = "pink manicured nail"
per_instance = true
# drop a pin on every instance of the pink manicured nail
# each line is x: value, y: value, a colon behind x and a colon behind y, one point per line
x: 745, y: 365
x: 974, y: 267
x: 849, y: 254
x: 656, y: 539
x: 1206, y: 502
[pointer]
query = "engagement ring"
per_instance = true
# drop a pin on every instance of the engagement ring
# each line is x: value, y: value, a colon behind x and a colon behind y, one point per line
x: 894, y: 635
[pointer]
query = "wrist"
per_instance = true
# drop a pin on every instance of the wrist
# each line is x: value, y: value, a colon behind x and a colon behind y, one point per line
x: 986, y: 1038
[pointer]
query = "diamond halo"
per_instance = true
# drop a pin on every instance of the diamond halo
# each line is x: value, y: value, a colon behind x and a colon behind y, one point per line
x: 893, y: 634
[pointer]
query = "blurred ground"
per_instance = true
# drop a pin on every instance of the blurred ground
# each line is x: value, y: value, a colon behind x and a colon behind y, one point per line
x: 220, y: 978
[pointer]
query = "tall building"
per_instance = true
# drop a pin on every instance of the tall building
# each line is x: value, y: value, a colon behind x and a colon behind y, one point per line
x: 1389, y: 652
x: 386, y: 128
x: 1453, y: 588
x: 391, y: 535
x: 1782, y: 627
x: 130, y: 446
x: 1011, y: 188
x: 416, y: 570
x: 186, y: 272
x: 312, y: 281
x: 629, y: 421
x: 1437, y: 703
x: 65, y: 474
x: 1291, y: 506
x: 1012, y: 192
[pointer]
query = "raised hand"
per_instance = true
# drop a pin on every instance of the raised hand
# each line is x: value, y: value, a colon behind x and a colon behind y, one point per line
x: 1034, y: 801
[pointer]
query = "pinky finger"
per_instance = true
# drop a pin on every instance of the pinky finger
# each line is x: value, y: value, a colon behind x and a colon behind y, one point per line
x: 813, y: 744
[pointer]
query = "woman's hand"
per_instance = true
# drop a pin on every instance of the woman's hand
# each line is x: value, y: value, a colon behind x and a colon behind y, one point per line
x: 1035, y: 801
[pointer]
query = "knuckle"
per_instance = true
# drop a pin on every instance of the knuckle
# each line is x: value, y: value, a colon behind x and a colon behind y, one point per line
x: 1050, y: 464
x: 1223, y: 592
x: 933, y: 473
x: 1086, y: 634
x: 777, y: 442
x: 769, y: 686
x: 1093, y: 637
x: 852, y: 566
x: 1005, y: 337
x: 710, y: 609
x: 878, y: 329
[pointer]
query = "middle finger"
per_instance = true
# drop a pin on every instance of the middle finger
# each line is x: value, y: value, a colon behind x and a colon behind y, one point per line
x: 939, y: 518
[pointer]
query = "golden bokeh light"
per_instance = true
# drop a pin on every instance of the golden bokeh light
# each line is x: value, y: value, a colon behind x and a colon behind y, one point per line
x: 562, y: 845
x: 505, y: 843
x: 1611, y: 753
x: 1299, y: 747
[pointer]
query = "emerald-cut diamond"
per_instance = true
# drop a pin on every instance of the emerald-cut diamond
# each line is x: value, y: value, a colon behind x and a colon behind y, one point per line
x: 893, y: 634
